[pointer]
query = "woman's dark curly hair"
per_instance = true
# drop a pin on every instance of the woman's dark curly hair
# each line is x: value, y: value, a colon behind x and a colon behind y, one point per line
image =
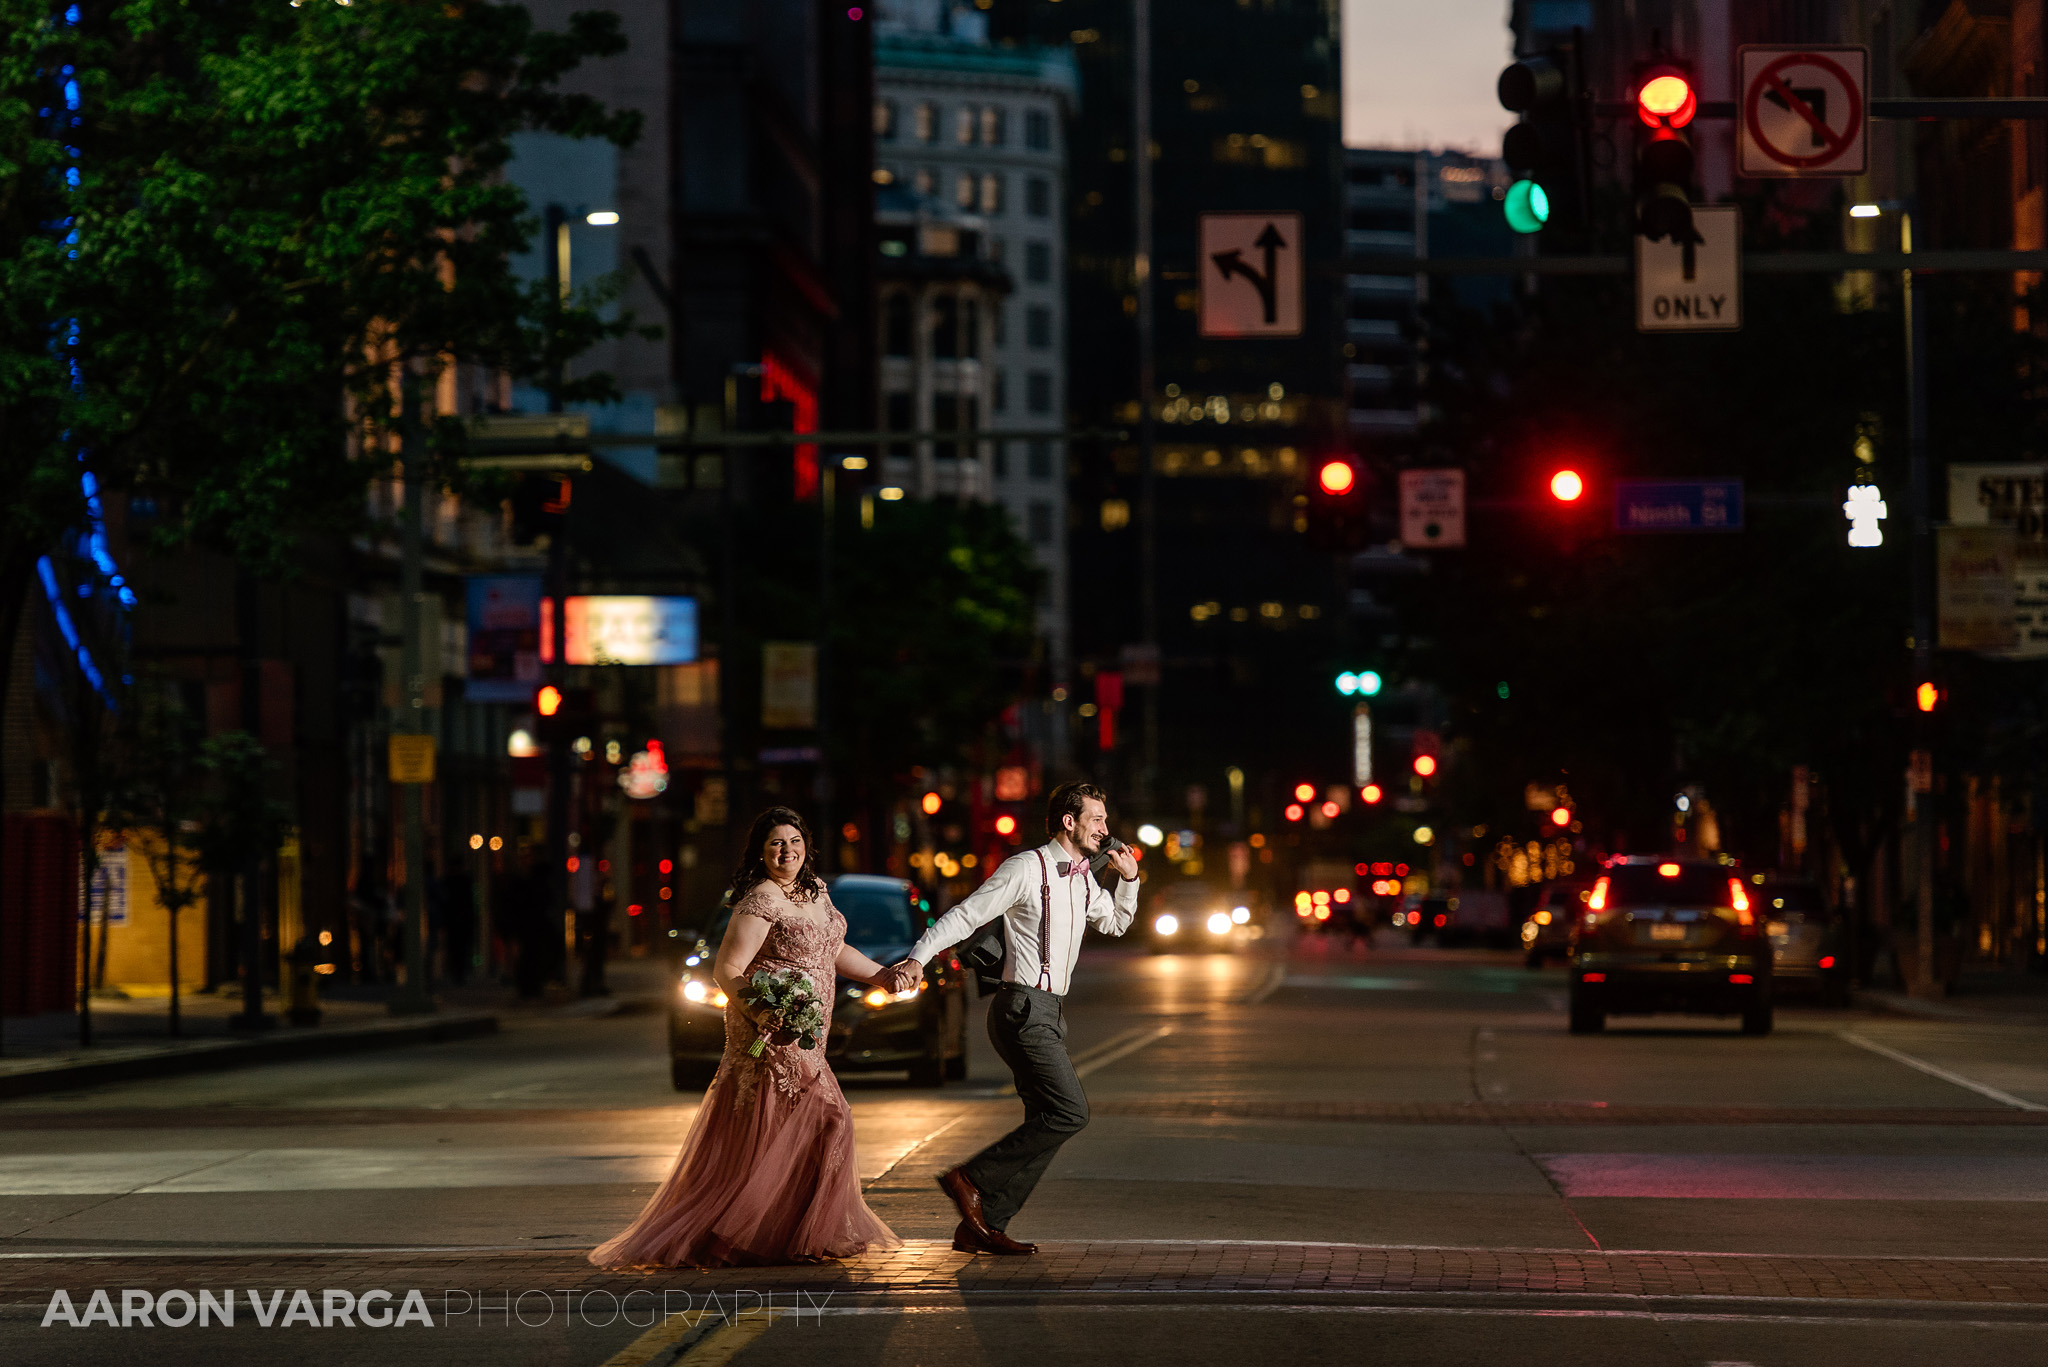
x: 753, y: 870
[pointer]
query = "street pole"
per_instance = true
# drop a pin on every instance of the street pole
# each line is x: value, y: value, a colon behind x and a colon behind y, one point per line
x: 827, y: 833
x: 412, y: 998
x: 1148, y: 524
x: 1921, y: 562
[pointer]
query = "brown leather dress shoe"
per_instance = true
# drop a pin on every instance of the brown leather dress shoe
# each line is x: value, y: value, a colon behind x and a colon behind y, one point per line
x: 956, y: 1184
x: 972, y: 1239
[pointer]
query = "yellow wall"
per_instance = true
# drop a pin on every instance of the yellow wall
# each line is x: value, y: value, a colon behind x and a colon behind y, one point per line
x: 138, y: 952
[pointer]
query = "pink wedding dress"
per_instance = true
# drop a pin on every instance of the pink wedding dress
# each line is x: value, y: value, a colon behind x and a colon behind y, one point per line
x: 767, y: 1174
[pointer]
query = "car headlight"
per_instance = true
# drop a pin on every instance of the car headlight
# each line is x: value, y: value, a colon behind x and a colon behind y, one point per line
x: 1241, y: 915
x: 879, y: 998
x: 1528, y: 930
x: 704, y: 994
x: 1167, y: 925
x: 1219, y: 923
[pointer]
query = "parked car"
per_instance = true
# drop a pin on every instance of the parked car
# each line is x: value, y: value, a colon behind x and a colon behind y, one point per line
x: 1190, y: 917
x: 1667, y: 934
x: 1805, y: 940
x: 1547, y: 932
x: 923, y: 1030
x: 1472, y: 917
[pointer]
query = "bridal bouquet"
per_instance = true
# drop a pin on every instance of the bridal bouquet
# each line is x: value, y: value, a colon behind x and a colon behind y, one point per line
x: 784, y: 999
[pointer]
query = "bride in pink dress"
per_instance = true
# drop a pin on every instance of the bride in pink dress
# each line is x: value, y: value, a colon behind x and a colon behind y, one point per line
x: 767, y: 1174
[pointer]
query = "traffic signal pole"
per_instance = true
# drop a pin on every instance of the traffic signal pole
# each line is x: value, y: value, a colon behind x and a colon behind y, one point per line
x: 412, y: 997
x: 1921, y: 567
x: 1148, y: 479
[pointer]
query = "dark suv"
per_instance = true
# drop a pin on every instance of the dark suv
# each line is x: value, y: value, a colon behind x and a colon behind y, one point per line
x: 1661, y: 934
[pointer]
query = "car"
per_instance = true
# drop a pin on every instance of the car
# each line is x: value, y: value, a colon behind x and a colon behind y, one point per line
x: 1661, y: 933
x: 1190, y: 917
x: 923, y: 1030
x: 1805, y: 952
x: 1547, y: 933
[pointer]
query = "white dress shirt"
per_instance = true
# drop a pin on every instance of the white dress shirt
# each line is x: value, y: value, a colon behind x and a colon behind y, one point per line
x: 1013, y: 893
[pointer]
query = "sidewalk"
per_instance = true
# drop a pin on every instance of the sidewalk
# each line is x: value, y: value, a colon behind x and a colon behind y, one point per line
x: 1986, y: 996
x: 132, y: 1035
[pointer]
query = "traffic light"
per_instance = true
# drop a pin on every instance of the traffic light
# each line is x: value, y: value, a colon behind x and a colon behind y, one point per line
x: 1560, y: 816
x: 1425, y: 765
x: 548, y: 700
x: 1926, y: 696
x: 1546, y: 150
x: 1567, y: 486
x: 540, y: 507
x: 1364, y: 684
x: 1337, y: 505
x: 1665, y: 103
x: 1371, y: 794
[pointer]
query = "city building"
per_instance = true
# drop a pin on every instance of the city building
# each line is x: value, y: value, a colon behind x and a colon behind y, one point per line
x: 970, y: 160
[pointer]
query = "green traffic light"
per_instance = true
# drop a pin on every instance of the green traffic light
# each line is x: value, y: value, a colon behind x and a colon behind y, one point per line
x: 1364, y: 684
x: 1526, y: 206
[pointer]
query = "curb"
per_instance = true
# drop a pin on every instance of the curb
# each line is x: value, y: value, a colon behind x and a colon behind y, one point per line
x: 214, y: 1057
x: 1901, y: 1004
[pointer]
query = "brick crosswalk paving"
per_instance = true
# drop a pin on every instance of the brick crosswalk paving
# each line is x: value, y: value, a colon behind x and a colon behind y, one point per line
x: 923, y: 1267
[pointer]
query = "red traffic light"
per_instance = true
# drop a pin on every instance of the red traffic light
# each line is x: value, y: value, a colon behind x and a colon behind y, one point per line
x: 1425, y: 765
x: 1370, y: 794
x: 1337, y: 477
x: 1560, y: 816
x: 1567, y: 486
x: 1294, y: 811
x: 1006, y: 824
x: 548, y: 701
x: 1665, y: 97
x: 1304, y: 791
x: 1926, y: 696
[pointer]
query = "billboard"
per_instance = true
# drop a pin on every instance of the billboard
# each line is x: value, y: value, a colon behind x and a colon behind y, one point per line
x: 504, y: 638
x: 624, y: 630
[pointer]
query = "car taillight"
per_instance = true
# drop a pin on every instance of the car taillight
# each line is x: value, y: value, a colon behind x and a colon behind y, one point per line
x: 1739, y: 899
x: 1592, y: 977
x: 1598, y: 901
x: 1827, y: 961
x: 1743, y: 978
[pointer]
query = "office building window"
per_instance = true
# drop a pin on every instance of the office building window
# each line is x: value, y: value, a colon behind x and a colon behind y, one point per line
x: 885, y: 120
x: 946, y: 328
x: 996, y: 251
x: 1002, y: 459
x: 1000, y: 316
x: 924, y: 125
x: 1038, y: 197
x: 1038, y: 327
x: 965, y: 190
x: 995, y: 126
x: 999, y: 390
x: 923, y: 179
x: 896, y: 325
x: 897, y: 417
x: 1041, y: 524
x: 1038, y: 262
x: 965, y: 126
x: 1038, y: 391
x: 970, y: 329
x: 1039, y: 458
x: 1038, y: 130
x: 991, y: 193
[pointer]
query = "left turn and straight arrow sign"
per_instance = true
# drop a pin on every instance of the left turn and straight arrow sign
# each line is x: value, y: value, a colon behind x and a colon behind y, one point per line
x: 1250, y: 275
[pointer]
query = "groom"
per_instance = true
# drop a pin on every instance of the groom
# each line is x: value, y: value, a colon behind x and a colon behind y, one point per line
x: 1045, y: 896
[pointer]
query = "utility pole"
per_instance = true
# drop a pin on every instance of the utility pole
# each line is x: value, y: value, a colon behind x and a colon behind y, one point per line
x: 412, y: 998
x: 827, y: 833
x: 1148, y: 525
x: 1921, y: 567
x: 557, y: 607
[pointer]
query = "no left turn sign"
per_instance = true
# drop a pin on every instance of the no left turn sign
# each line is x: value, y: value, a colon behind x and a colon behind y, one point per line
x: 1803, y: 110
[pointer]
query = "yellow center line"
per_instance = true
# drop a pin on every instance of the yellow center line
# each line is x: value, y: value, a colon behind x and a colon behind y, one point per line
x: 713, y: 1347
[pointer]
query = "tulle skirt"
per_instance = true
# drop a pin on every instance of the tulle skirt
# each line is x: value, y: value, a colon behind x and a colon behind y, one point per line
x: 763, y: 1178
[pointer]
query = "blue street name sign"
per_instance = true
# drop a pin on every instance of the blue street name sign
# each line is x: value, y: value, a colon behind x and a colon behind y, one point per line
x: 1678, y: 505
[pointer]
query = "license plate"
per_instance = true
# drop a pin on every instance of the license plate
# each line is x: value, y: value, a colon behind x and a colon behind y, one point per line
x: 1775, y: 929
x: 1667, y: 930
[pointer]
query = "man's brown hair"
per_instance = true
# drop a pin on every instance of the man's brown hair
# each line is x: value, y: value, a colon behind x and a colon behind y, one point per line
x: 1066, y: 801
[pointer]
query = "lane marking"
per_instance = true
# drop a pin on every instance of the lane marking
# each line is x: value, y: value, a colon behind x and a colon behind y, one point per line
x: 1109, y: 1051
x: 1475, y: 1311
x: 1935, y: 1070
x: 904, y: 1157
x: 1274, y: 977
x: 700, y: 1345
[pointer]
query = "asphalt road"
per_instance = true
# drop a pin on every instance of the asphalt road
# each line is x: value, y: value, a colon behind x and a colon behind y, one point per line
x: 1380, y: 1156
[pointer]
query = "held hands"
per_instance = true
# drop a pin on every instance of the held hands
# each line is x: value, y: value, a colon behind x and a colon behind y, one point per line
x: 1125, y: 865
x: 901, y: 976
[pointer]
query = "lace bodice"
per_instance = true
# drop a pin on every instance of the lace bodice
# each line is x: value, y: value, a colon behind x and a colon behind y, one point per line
x: 796, y: 940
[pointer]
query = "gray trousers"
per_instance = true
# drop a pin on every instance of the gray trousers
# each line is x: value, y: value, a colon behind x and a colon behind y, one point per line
x: 1029, y: 1031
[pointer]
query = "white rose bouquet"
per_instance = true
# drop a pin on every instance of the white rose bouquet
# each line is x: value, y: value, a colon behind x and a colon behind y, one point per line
x: 783, y: 999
